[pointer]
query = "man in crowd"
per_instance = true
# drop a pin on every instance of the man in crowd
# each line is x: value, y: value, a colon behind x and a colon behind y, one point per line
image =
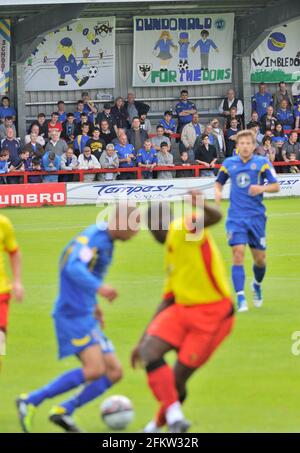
x: 69, y: 129
x: 281, y: 94
x: 160, y: 138
x: 96, y: 143
x: 54, y: 124
x: 168, y: 123
x: 81, y: 140
x: 231, y: 101
x: 106, y: 115
x: 127, y: 156
x: 285, y: 116
x: 292, y: 146
x: 189, y: 134
x: 89, y: 107
x: 106, y: 133
x: 135, y: 108
x: 34, y: 148
x: 8, y: 122
x: 206, y: 155
x: 69, y: 163
x: 86, y: 161
x: 61, y: 110
x: 79, y: 111
x: 136, y: 135
x: 261, y: 100
x: 42, y: 124
x: 12, y: 144
x: 184, y: 110
x: 56, y: 144
x: 219, y: 134
x: 269, y: 120
x: 147, y: 159
x: 6, y: 109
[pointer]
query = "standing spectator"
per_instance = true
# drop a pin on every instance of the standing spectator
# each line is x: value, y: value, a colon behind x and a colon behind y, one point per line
x: 231, y: 101
x: 165, y: 158
x: 109, y: 159
x: 168, y: 123
x: 145, y: 123
x: 56, y: 144
x: 136, y: 136
x: 106, y: 133
x: 68, y: 162
x: 285, y: 116
x: 83, y: 121
x: 233, y: 115
x: 189, y: 134
x: 292, y: 146
x: 219, y: 134
x: 12, y: 144
x: 86, y: 161
x: 147, y: 159
x: 297, y: 113
x: 160, y: 138
x: 278, y: 139
x: 185, y: 109
x: 206, y: 155
x: 6, y: 109
x: 184, y: 161
x: 269, y: 120
x: 230, y: 137
x: 69, y: 129
x: 254, y: 127
x: 8, y: 122
x: 4, y: 156
x: 96, y: 144
x: 135, y: 108
x: 119, y: 114
x: 281, y: 94
x: 34, y: 130
x: 61, y: 110
x: 51, y: 163
x: 266, y: 149
x: 89, y: 107
x: 107, y: 115
x: 54, y: 124
x: 254, y: 119
x: 79, y: 111
x: 34, y: 148
x: 81, y: 140
x: 261, y: 100
x: 127, y: 156
x: 42, y: 124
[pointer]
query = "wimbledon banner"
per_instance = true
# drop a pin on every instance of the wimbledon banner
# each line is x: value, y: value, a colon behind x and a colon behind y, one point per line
x: 277, y: 58
x: 176, y: 50
x: 80, y: 55
x: 5, y: 55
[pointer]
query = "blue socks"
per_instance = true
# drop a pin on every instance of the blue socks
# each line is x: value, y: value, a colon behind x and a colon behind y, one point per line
x: 90, y: 392
x: 62, y: 384
x: 238, y: 278
x: 259, y: 273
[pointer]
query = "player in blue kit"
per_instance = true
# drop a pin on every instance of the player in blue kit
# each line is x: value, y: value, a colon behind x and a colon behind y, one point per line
x: 250, y: 176
x: 77, y: 315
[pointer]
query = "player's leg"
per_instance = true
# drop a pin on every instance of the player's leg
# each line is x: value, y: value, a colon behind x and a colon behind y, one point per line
x: 4, y: 309
x: 257, y: 243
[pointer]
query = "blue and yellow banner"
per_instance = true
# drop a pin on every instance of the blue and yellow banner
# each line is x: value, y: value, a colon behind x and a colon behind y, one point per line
x: 5, y: 55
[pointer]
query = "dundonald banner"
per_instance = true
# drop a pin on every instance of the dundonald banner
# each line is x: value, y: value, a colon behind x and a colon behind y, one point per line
x: 277, y: 58
x: 78, y: 56
x: 176, y: 50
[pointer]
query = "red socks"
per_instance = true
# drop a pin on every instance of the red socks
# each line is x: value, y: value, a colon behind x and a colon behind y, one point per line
x: 161, y: 380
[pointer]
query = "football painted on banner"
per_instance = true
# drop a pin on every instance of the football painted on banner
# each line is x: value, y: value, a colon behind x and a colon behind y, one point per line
x: 117, y: 412
x: 93, y: 71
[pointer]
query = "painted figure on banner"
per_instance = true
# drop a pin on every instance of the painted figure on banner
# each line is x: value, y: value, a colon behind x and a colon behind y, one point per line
x: 205, y: 44
x: 184, y: 43
x: 164, y: 44
x: 67, y: 65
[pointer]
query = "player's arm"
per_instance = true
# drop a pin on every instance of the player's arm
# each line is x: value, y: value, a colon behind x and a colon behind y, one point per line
x: 222, y: 177
x: 16, y: 267
x: 211, y: 214
x: 272, y: 185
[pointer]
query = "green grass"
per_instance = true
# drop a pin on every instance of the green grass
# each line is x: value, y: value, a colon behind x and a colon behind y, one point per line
x: 250, y: 385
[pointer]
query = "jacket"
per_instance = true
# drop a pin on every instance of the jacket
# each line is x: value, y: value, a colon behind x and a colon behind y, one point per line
x: 188, y: 135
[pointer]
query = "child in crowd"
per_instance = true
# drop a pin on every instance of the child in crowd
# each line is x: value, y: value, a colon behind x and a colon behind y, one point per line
x: 168, y: 123
x: 293, y: 168
x: 4, y: 156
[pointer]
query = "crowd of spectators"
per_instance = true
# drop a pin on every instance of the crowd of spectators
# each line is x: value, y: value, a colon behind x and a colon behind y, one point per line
x: 121, y: 136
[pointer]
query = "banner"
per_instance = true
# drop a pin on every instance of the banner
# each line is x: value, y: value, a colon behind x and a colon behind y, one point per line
x: 5, y: 55
x: 32, y: 195
x: 277, y: 58
x: 182, y: 50
x: 80, y: 55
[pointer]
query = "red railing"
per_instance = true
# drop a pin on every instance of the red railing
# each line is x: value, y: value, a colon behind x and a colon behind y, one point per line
x: 137, y: 170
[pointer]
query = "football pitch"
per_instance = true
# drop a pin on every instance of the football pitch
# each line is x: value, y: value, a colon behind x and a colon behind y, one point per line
x: 251, y: 384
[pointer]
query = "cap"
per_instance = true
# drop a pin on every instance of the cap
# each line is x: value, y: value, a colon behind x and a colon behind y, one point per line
x: 66, y: 42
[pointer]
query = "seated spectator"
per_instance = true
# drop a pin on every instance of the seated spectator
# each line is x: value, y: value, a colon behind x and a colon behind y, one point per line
x: 292, y: 146
x: 109, y: 159
x: 86, y: 161
x: 212, y: 138
x: 4, y: 156
x: 184, y: 161
x: 278, y: 139
x: 83, y: 120
x: 266, y: 149
x: 261, y: 100
x: 127, y: 156
x: 285, y: 116
x: 39, y: 139
x: 69, y: 129
x: 119, y: 132
x: 12, y: 144
x: 268, y: 133
x: 96, y: 143
x: 230, y: 137
x: 206, y: 155
x: 165, y: 158
x: 106, y: 133
x: 254, y: 119
x: 34, y: 148
x: 189, y: 134
x: 8, y: 122
x: 26, y: 160
x: 145, y: 123
x: 281, y: 94
x: 61, y: 110
x: 36, y: 166
x: 42, y: 124
x: 81, y: 140
x: 147, y: 159
x: 68, y: 162
x: 233, y: 115
x: 231, y: 101
x: 6, y: 109
x: 54, y: 124
x: 56, y: 144
x: 185, y: 109
x: 294, y: 168
x: 134, y: 108
x: 79, y: 110
x: 254, y: 127
x: 89, y: 107
x: 168, y: 123
x: 51, y: 163
x: 119, y: 114
x: 219, y: 134
x: 269, y: 120
x: 160, y: 138
x: 136, y: 136
x: 107, y: 115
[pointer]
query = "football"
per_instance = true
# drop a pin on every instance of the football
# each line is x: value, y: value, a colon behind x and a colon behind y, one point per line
x: 93, y: 71
x: 117, y: 412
